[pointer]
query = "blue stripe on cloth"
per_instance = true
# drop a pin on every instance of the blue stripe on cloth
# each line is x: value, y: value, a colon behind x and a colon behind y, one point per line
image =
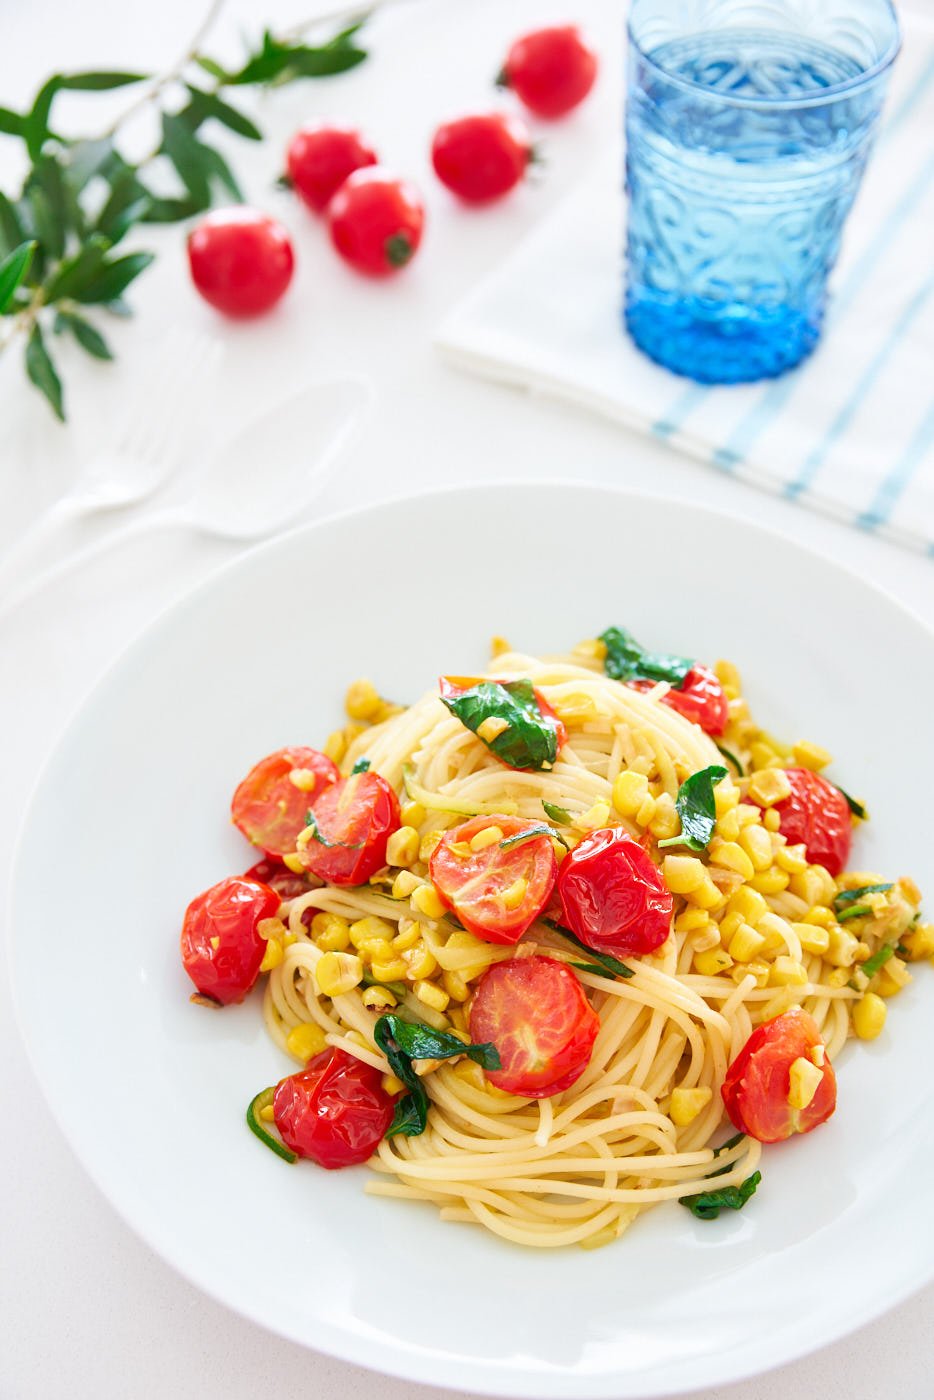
x: 910, y: 101
x: 880, y: 510
x: 872, y: 371
x: 683, y: 405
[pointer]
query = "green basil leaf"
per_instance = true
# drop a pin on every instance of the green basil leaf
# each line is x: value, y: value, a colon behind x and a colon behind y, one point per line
x: 697, y: 808
x: 207, y: 104
x: 114, y: 278
x: 626, y: 660
x: 42, y: 373
x: 734, y: 1141
x: 530, y: 740
x: 708, y: 1205
x: 556, y: 813
x: 731, y: 758
x: 521, y: 837
x: 607, y: 962
x: 87, y: 336
x: 850, y: 896
x: 411, y: 1112
x: 13, y: 271
x: 855, y: 807
x: 404, y: 1041
x: 362, y: 765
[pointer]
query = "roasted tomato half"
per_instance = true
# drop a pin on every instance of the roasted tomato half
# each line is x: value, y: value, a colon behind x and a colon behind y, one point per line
x: 499, y: 889
x: 221, y: 949
x: 816, y: 815
x: 269, y: 806
x: 613, y: 896
x: 700, y: 699
x: 334, y: 1111
x: 353, y: 821
x: 758, y: 1082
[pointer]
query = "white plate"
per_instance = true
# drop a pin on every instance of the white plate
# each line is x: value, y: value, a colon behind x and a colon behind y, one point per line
x: 129, y: 821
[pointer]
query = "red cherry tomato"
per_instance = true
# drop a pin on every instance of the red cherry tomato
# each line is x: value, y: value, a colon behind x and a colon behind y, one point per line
x: 278, y: 878
x: 320, y: 158
x: 613, y: 895
x: 376, y: 221
x: 536, y: 1014
x: 269, y: 808
x: 241, y: 261
x: 817, y: 815
x: 700, y: 699
x: 550, y: 70
x: 334, y: 1111
x: 756, y: 1087
x: 354, y: 820
x: 483, y: 157
x: 475, y: 883
x: 229, y: 913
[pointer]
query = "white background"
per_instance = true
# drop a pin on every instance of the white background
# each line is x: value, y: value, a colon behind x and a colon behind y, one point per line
x: 84, y: 1306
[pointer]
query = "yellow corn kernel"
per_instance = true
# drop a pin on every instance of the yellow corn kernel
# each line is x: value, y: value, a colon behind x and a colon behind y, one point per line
x: 575, y: 708
x: 461, y: 849
x: 292, y: 861
x: 492, y: 728
x: 842, y: 947
x: 759, y: 971
x: 706, y: 896
x: 787, y: 972
x: 814, y: 938
x: 683, y: 874
x: 768, y: 786
x: 432, y: 995
x: 405, y: 884
x: 412, y: 814
x: 330, y: 932
x: 488, y: 836
x: 784, y: 999
x: 821, y: 915
x: 725, y: 797
x: 755, y: 842
x: 499, y: 646
x: 727, y: 674
x: 271, y: 928
x: 730, y: 922
x: 392, y: 970
x: 391, y: 1085
x: 708, y: 937
x: 762, y: 755
x: 457, y: 1015
x: 272, y: 956
x: 646, y: 812
x: 455, y: 986
x: 591, y: 650
x: 919, y: 942
x: 892, y: 978
x: 371, y: 929
x: 305, y: 1041
x: 770, y: 881
x: 731, y: 856
x: 868, y: 1016
x: 515, y: 894
x: 419, y: 963
x: 728, y: 826
x: 215, y: 943
x: 747, y: 814
x: 362, y: 700
x: 745, y: 944
x: 407, y: 938
x: 335, y: 745
x: 402, y: 846
x: 808, y: 755
x: 712, y: 961
x: 305, y: 779
x: 771, y: 820
x: 791, y: 858
x: 805, y: 1080
x: 666, y: 821
x: 749, y: 904
x: 267, y: 1113
x: 837, y: 977
x: 691, y: 921
x: 426, y: 901
x: 337, y: 973
x: 598, y: 815
x: 378, y: 998
x: 429, y: 844
x: 686, y: 1104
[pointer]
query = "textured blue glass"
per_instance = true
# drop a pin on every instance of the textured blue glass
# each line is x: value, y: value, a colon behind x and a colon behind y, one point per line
x: 748, y: 126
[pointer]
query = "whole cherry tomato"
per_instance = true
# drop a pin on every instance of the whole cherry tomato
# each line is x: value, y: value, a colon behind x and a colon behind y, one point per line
x: 550, y: 70
x: 481, y: 157
x: 286, y: 884
x: 700, y: 699
x: 495, y: 892
x: 269, y: 806
x: 535, y: 1012
x: 221, y: 950
x: 353, y: 821
x: 241, y: 261
x: 613, y: 896
x: 376, y: 221
x: 817, y: 815
x: 334, y: 1111
x: 758, y: 1081
x: 320, y: 158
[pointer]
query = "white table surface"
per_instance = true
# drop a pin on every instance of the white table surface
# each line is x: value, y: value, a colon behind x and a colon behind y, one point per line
x: 85, y: 1309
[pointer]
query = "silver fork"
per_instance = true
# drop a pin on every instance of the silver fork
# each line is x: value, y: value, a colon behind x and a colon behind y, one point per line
x: 144, y: 453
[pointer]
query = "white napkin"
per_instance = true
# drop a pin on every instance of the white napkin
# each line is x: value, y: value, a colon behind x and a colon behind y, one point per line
x: 850, y: 431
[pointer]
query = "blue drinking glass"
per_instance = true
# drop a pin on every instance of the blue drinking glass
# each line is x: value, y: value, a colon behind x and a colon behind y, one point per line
x: 748, y: 126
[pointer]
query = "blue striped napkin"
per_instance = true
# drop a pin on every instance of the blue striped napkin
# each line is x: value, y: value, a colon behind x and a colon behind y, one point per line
x: 850, y: 432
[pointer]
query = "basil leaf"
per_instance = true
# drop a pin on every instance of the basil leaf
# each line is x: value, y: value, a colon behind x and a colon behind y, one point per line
x: 411, y: 1113
x: 626, y: 660
x: 530, y: 740
x: 42, y: 373
x: 607, y: 962
x: 522, y: 836
x: 850, y: 896
x: 312, y: 821
x: 708, y: 1205
x: 697, y: 808
x: 734, y: 1141
x: 731, y: 758
x: 362, y: 765
x: 404, y: 1041
x: 14, y: 270
x: 556, y: 813
x: 855, y: 807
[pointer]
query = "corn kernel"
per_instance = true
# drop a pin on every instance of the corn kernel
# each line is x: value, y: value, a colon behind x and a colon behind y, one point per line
x: 305, y: 779
x: 768, y: 786
x: 591, y: 650
x: 378, y: 998
x: 712, y: 962
x: 892, y: 978
x: 272, y: 955
x: 499, y: 646
x: 335, y: 745
x: 787, y: 972
x: 404, y: 884
x: 402, y: 846
x: 730, y: 922
x: 267, y: 1113
x: 407, y: 937
x: 755, y: 842
x: 432, y: 995
x: 598, y: 815
x: 809, y: 755
x: 412, y: 814
x: 842, y: 947
x: 371, y: 929
x: 706, y: 896
x: 814, y: 938
x: 805, y: 1080
x: 725, y: 797
x: 331, y: 933
x: 575, y: 708
x: 426, y: 901
x: 728, y: 826
x: 216, y: 943
x: 708, y: 937
x: 271, y: 928
x: 362, y: 700
x: 338, y: 973
x: 770, y: 881
x: 455, y: 986
x: 745, y: 944
x: 419, y: 963
x: 666, y: 821
x: 837, y: 977
x: 488, y: 836
x: 492, y: 728
x: 919, y: 942
x: 818, y: 1054
x: 771, y: 820
x: 305, y: 1041
x: 515, y: 894
x: 749, y: 904
x: 747, y: 814
x: 392, y: 970
x: 731, y: 856
x: 791, y: 858
x: 868, y: 1016
x: 784, y: 999
x: 727, y: 674
x: 686, y: 1104
x: 292, y: 861
x: 691, y: 921
x: 683, y: 873
x: 646, y: 812
x: 429, y: 844
x: 762, y: 755
x: 391, y: 1085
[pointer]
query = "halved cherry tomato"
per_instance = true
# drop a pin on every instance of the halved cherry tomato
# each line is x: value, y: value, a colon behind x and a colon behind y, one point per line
x: 495, y: 893
x: 334, y: 1111
x: 613, y: 895
x: 286, y: 884
x: 320, y: 158
x: 354, y: 820
x: 536, y: 1014
x: 700, y: 699
x: 481, y: 157
x: 375, y: 221
x: 817, y: 815
x: 269, y: 808
x: 550, y: 70
x: 228, y: 912
x: 757, y: 1083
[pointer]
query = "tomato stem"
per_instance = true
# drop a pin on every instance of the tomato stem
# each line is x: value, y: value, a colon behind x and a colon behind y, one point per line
x: 399, y: 249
